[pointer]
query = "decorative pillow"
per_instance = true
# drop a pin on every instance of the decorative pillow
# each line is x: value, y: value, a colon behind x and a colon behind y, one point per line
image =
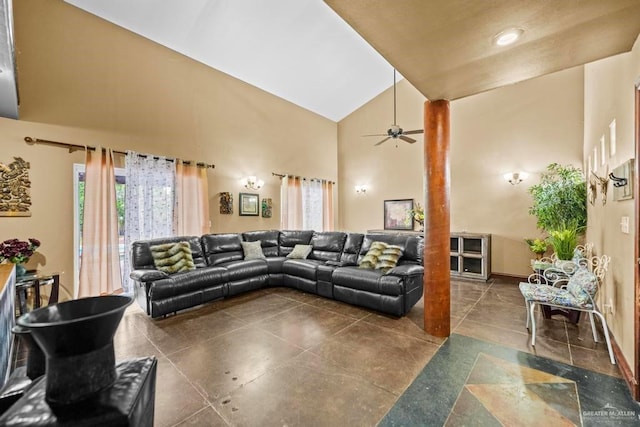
x: 389, y: 258
x: 370, y: 260
x: 173, y: 257
x: 300, y: 251
x: 252, y: 250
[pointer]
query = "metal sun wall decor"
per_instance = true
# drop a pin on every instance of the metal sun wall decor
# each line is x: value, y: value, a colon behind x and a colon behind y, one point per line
x: 14, y: 188
x: 226, y: 203
x: 267, y: 207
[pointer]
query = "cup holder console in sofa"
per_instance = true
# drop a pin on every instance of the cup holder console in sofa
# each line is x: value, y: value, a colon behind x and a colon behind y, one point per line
x: 330, y: 270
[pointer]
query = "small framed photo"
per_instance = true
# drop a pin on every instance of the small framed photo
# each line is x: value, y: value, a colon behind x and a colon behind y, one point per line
x: 249, y: 205
x: 397, y: 214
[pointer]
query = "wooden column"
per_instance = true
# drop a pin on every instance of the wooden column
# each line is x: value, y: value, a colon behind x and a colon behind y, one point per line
x: 437, y: 293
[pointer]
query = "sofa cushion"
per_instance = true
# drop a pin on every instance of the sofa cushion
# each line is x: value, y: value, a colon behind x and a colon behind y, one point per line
x: 367, y: 280
x: 239, y: 270
x: 252, y: 250
x: 221, y: 248
x: 412, y: 245
x: 351, y: 248
x: 172, y: 257
x: 305, y: 268
x: 268, y: 239
x: 300, y: 252
x: 370, y: 260
x: 189, y: 281
x: 290, y: 238
x: 327, y: 245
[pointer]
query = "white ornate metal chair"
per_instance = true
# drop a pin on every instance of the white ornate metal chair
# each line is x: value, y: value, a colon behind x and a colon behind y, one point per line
x: 576, y: 291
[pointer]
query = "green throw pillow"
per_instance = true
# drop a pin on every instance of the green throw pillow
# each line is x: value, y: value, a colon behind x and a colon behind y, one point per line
x: 300, y: 251
x: 253, y: 250
x: 389, y: 258
x: 173, y: 257
x: 370, y: 260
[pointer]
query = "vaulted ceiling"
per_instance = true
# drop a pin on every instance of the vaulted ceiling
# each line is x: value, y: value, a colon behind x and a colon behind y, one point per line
x: 303, y: 51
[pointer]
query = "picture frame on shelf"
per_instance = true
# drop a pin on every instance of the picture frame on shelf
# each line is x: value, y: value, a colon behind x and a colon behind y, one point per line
x: 396, y: 214
x: 249, y: 204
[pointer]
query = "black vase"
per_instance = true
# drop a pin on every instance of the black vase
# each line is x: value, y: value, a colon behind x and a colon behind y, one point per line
x: 77, y: 340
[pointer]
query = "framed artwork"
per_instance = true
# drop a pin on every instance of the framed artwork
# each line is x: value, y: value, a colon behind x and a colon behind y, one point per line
x: 226, y: 203
x: 249, y: 205
x: 396, y: 214
x: 267, y: 207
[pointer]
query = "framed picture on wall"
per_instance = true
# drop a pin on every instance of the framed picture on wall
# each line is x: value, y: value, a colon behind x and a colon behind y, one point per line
x: 249, y: 205
x: 396, y: 214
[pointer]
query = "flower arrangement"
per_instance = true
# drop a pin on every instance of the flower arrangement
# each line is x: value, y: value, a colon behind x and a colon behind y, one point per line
x: 417, y: 213
x: 18, y: 251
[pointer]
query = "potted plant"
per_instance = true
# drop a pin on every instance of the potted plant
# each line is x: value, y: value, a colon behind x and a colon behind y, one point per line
x: 537, y: 246
x: 564, y: 241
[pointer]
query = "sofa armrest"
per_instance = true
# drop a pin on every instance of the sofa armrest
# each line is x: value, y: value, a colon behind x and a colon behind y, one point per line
x: 340, y: 263
x: 406, y: 270
x: 147, y: 275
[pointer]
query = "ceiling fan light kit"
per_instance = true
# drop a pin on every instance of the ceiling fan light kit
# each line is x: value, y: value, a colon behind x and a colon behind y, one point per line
x: 395, y: 131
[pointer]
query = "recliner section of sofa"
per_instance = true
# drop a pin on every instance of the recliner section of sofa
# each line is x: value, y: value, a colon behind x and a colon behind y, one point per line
x: 331, y: 270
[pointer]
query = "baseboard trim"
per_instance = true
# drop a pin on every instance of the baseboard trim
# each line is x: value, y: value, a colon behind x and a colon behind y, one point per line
x: 625, y: 369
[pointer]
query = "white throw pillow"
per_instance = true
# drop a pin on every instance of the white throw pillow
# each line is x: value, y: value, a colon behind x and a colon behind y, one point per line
x: 300, y: 251
x: 252, y: 250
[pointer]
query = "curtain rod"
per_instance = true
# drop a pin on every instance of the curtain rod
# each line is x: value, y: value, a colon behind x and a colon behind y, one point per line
x: 77, y: 147
x: 279, y: 175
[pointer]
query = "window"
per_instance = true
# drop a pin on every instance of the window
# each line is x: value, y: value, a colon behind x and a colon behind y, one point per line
x: 78, y: 205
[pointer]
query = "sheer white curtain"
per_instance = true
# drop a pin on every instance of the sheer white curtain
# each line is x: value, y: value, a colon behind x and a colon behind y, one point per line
x: 306, y: 204
x: 312, y: 204
x: 149, y: 200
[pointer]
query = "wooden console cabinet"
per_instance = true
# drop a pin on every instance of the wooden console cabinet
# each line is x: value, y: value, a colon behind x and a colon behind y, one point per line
x: 471, y: 256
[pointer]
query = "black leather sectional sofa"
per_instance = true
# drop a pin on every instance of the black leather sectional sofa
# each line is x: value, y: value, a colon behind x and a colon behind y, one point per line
x: 331, y: 270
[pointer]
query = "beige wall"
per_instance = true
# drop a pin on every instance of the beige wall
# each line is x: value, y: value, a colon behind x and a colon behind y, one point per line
x: 79, y: 72
x: 609, y: 94
x: 520, y: 127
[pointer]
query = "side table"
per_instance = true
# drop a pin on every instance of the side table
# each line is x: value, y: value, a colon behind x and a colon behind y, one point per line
x: 35, y: 280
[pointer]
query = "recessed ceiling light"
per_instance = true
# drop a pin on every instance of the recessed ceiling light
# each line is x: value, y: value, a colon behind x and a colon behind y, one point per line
x: 508, y: 36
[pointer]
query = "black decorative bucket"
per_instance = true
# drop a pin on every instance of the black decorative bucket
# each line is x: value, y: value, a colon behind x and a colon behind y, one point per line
x: 36, y: 361
x: 77, y: 340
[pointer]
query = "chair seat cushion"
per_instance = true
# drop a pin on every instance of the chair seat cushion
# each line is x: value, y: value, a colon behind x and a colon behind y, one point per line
x: 545, y: 294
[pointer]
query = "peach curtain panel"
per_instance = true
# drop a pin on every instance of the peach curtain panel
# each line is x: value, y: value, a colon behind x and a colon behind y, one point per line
x: 291, y: 203
x: 192, y: 201
x: 328, y: 220
x: 100, y: 264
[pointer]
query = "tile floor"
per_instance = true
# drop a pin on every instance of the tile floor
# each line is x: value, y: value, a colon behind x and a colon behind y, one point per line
x: 282, y: 357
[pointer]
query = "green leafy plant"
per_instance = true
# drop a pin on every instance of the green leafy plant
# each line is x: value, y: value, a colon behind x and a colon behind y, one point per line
x: 537, y: 246
x: 564, y: 240
x: 560, y: 199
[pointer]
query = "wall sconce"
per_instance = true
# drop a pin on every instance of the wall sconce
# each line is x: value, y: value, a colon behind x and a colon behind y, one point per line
x: 252, y: 183
x: 361, y: 189
x: 515, y: 178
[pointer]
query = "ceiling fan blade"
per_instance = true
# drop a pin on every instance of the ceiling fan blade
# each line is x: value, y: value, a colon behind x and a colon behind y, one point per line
x: 413, y: 132
x: 407, y: 139
x: 377, y: 134
x: 382, y: 141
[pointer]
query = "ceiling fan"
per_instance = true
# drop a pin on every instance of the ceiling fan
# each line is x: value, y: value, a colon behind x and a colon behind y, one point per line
x: 395, y: 131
